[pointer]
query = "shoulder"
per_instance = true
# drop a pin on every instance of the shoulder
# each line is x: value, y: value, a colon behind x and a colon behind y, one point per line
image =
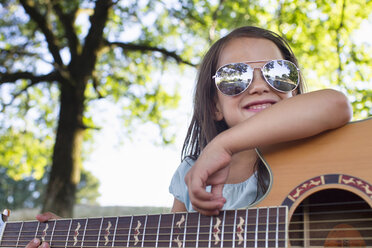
x: 185, y: 165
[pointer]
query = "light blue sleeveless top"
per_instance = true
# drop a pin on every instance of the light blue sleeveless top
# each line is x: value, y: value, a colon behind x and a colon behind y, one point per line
x: 237, y: 196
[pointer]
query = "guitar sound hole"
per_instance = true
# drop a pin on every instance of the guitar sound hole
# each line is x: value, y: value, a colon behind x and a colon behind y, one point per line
x: 331, y: 218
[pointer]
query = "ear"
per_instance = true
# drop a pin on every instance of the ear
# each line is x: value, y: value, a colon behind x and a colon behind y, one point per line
x: 218, y: 115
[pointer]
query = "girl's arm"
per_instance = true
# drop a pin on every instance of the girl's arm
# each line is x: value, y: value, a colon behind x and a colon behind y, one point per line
x: 290, y: 119
x: 178, y: 206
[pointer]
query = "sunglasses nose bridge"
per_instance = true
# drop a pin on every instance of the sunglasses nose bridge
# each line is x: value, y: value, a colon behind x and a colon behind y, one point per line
x: 259, y: 72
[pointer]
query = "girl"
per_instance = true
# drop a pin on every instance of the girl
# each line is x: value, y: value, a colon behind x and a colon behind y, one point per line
x: 248, y: 94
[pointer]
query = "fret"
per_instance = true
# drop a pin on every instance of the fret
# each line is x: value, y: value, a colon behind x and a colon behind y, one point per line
x: 267, y: 229
x: 91, y: 232
x: 234, y: 228
x: 223, y: 228
x: 60, y: 233
x: 171, y: 236
x: 69, y: 231
x: 37, y: 228
x: 76, y: 234
x: 272, y: 227
x: 122, y: 231
x: 185, y: 229
x: 51, y: 236
x: 198, y: 232
x: 165, y: 230
x: 261, y: 227
x: 178, y: 230
x: 228, y: 228
x: 44, y: 231
x: 144, y: 231
x: 157, y: 232
x: 130, y: 229
x: 27, y: 233
x: 11, y: 234
x: 204, y: 231
x: 277, y: 229
x: 282, y: 220
x: 192, y: 230
x: 210, y: 232
x: 99, y: 233
x: 216, y: 230
x: 114, y: 236
x: 85, y: 229
x: 252, y: 223
x: 246, y: 228
x: 107, y: 232
x: 136, y: 232
x: 239, y: 228
x: 150, y: 233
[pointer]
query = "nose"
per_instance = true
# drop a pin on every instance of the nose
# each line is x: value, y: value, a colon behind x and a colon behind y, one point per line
x: 258, y: 85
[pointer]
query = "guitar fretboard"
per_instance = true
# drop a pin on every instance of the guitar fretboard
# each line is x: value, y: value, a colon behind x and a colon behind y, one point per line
x: 254, y: 227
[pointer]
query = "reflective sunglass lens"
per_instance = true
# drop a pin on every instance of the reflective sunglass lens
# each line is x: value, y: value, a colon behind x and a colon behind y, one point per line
x: 233, y: 79
x: 282, y: 75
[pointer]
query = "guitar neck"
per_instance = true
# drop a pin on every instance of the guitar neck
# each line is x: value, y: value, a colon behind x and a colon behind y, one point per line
x: 254, y: 227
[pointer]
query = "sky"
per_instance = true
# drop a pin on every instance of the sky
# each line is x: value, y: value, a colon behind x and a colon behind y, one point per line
x: 138, y: 172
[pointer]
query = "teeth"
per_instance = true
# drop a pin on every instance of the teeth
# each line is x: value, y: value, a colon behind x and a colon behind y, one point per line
x: 260, y: 106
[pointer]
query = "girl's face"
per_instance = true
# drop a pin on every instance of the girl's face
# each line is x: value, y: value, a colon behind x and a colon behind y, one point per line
x: 259, y: 95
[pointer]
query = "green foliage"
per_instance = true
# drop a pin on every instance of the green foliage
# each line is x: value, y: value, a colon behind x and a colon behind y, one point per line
x: 29, y: 191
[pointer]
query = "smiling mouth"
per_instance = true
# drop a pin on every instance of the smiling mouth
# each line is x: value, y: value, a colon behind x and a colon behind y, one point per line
x: 258, y: 107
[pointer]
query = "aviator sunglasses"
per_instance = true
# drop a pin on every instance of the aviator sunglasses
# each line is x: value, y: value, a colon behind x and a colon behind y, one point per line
x: 233, y: 79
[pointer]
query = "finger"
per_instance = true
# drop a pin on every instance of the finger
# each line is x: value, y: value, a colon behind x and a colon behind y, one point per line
x: 211, y: 207
x: 208, y: 211
x: 216, y: 190
x: 46, y: 216
x: 33, y: 243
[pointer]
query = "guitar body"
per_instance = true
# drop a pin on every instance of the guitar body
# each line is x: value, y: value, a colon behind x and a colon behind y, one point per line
x: 326, y: 183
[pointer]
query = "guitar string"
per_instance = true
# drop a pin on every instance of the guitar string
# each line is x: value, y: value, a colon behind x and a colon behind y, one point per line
x: 254, y: 209
x: 226, y: 241
x: 365, y: 210
x: 253, y: 217
x: 26, y: 238
x: 252, y: 223
x: 207, y: 234
x: 263, y: 224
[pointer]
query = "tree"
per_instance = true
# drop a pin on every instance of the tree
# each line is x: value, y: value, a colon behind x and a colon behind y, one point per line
x: 29, y: 192
x: 46, y: 53
x: 59, y: 56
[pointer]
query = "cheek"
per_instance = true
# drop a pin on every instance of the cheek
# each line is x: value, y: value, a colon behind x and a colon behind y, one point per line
x: 287, y: 95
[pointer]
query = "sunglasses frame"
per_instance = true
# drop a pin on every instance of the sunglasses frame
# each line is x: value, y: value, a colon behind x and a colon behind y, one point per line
x: 253, y: 68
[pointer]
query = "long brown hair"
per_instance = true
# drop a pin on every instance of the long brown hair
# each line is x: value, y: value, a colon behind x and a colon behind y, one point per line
x: 203, y: 127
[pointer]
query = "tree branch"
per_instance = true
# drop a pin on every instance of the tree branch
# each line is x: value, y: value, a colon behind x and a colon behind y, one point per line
x: 67, y: 21
x: 43, y: 25
x: 33, y: 80
x: 94, y: 38
x: 212, y: 29
x: 139, y: 47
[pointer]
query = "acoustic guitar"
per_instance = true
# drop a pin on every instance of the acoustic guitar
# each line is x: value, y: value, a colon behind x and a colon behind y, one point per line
x: 320, y: 196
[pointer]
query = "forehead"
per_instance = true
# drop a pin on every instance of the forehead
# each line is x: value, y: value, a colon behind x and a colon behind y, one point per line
x: 248, y: 49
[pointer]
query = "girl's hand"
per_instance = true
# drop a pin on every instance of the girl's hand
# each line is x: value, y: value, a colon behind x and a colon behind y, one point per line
x: 211, y: 168
x: 42, y: 218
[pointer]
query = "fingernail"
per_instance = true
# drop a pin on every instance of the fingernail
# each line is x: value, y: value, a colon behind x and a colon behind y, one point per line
x: 35, y: 241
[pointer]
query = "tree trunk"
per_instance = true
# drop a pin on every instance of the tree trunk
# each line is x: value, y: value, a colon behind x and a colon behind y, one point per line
x: 66, y: 165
